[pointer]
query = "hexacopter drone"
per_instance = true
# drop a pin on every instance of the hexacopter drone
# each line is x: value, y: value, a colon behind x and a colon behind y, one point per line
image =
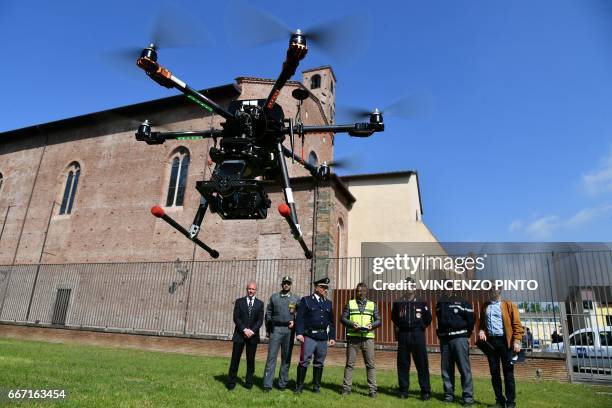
x: 250, y: 147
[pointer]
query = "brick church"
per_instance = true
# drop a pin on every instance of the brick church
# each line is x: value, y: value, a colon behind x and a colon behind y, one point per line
x: 79, y: 190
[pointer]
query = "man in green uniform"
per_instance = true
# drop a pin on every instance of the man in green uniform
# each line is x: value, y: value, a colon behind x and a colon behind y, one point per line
x: 280, y: 322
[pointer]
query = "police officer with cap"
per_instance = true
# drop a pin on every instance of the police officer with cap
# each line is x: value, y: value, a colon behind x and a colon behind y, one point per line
x: 280, y: 322
x: 455, y: 324
x: 315, y: 330
x: 411, y: 317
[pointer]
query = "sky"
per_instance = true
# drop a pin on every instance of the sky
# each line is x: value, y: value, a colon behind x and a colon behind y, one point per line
x: 515, y: 141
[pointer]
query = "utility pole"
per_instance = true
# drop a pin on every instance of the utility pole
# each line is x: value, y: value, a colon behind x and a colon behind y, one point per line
x: 42, y: 251
x: 5, y: 218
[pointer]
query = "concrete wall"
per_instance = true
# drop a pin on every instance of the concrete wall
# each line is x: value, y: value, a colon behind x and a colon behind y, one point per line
x: 388, y: 209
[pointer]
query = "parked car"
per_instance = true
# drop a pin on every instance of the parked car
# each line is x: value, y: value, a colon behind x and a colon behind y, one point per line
x: 590, y: 349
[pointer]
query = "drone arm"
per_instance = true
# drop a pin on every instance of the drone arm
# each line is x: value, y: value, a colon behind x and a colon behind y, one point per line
x: 144, y: 134
x: 205, y: 102
x: 357, y: 129
x: 165, y: 78
x: 295, y: 53
x: 288, y: 210
x: 288, y: 153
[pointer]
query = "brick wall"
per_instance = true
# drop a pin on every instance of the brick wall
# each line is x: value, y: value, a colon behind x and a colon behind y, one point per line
x: 121, y: 179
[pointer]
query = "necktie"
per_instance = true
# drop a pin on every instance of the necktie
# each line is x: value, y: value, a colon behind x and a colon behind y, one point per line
x: 250, y: 305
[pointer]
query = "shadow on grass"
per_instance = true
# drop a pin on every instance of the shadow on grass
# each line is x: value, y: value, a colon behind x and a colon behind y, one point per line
x: 257, y: 381
x: 358, y: 389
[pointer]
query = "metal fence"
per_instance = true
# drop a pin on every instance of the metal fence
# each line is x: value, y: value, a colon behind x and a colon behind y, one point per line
x: 174, y: 298
x: 570, y: 313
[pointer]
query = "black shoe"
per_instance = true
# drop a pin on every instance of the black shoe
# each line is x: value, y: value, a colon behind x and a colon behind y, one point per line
x: 425, y: 396
x: 267, y: 389
x: 373, y: 394
x: 248, y: 386
x: 510, y: 405
x: 281, y: 388
x: 230, y: 387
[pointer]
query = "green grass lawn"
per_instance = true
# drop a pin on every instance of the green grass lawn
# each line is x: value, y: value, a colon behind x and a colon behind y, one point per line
x: 107, y: 377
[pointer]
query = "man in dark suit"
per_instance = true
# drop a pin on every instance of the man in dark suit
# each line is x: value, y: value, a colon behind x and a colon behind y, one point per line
x: 248, y: 317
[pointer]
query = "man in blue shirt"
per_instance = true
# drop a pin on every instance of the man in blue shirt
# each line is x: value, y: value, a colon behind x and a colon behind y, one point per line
x: 500, y: 326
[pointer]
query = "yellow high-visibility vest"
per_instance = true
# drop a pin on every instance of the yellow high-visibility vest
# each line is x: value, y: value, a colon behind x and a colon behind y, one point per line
x: 362, y: 319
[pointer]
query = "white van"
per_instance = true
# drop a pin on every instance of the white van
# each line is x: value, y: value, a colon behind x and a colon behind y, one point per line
x: 591, y: 349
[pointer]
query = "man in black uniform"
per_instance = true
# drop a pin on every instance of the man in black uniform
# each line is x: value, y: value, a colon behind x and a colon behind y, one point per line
x: 455, y: 325
x: 411, y: 317
x: 315, y: 330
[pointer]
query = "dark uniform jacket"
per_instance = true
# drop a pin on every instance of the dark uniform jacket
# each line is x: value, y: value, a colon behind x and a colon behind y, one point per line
x: 315, y: 319
x: 455, y: 318
x: 242, y: 320
x: 410, y: 315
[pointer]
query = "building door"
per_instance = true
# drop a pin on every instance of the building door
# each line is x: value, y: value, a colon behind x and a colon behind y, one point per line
x: 61, y: 306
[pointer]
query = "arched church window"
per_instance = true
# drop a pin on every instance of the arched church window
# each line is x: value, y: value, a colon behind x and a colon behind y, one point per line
x: 70, y: 188
x: 315, y: 81
x: 178, y: 179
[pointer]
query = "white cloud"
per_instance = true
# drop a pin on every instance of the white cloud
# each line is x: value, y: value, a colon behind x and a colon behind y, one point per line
x: 516, y: 225
x: 599, y: 180
x: 545, y: 227
x: 542, y: 227
x: 588, y: 214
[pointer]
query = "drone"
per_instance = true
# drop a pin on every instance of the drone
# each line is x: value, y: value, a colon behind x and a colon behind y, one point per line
x: 250, y: 148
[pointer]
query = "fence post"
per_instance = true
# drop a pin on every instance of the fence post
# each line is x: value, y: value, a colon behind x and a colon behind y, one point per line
x: 42, y: 252
x: 563, y: 316
x: 190, y: 277
x: 566, y: 345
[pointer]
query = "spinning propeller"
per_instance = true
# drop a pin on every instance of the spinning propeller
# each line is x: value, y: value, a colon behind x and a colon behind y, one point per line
x: 171, y: 29
x: 340, y: 37
x: 407, y: 107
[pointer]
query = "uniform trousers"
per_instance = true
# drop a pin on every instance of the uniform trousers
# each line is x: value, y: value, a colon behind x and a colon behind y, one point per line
x: 456, y: 352
x: 412, y: 343
x: 310, y: 348
x: 281, y: 337
x: 366, y: 346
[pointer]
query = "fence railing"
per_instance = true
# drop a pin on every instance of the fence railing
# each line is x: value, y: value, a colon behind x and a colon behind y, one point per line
x: 571, y: 306
x: 189, y: 298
